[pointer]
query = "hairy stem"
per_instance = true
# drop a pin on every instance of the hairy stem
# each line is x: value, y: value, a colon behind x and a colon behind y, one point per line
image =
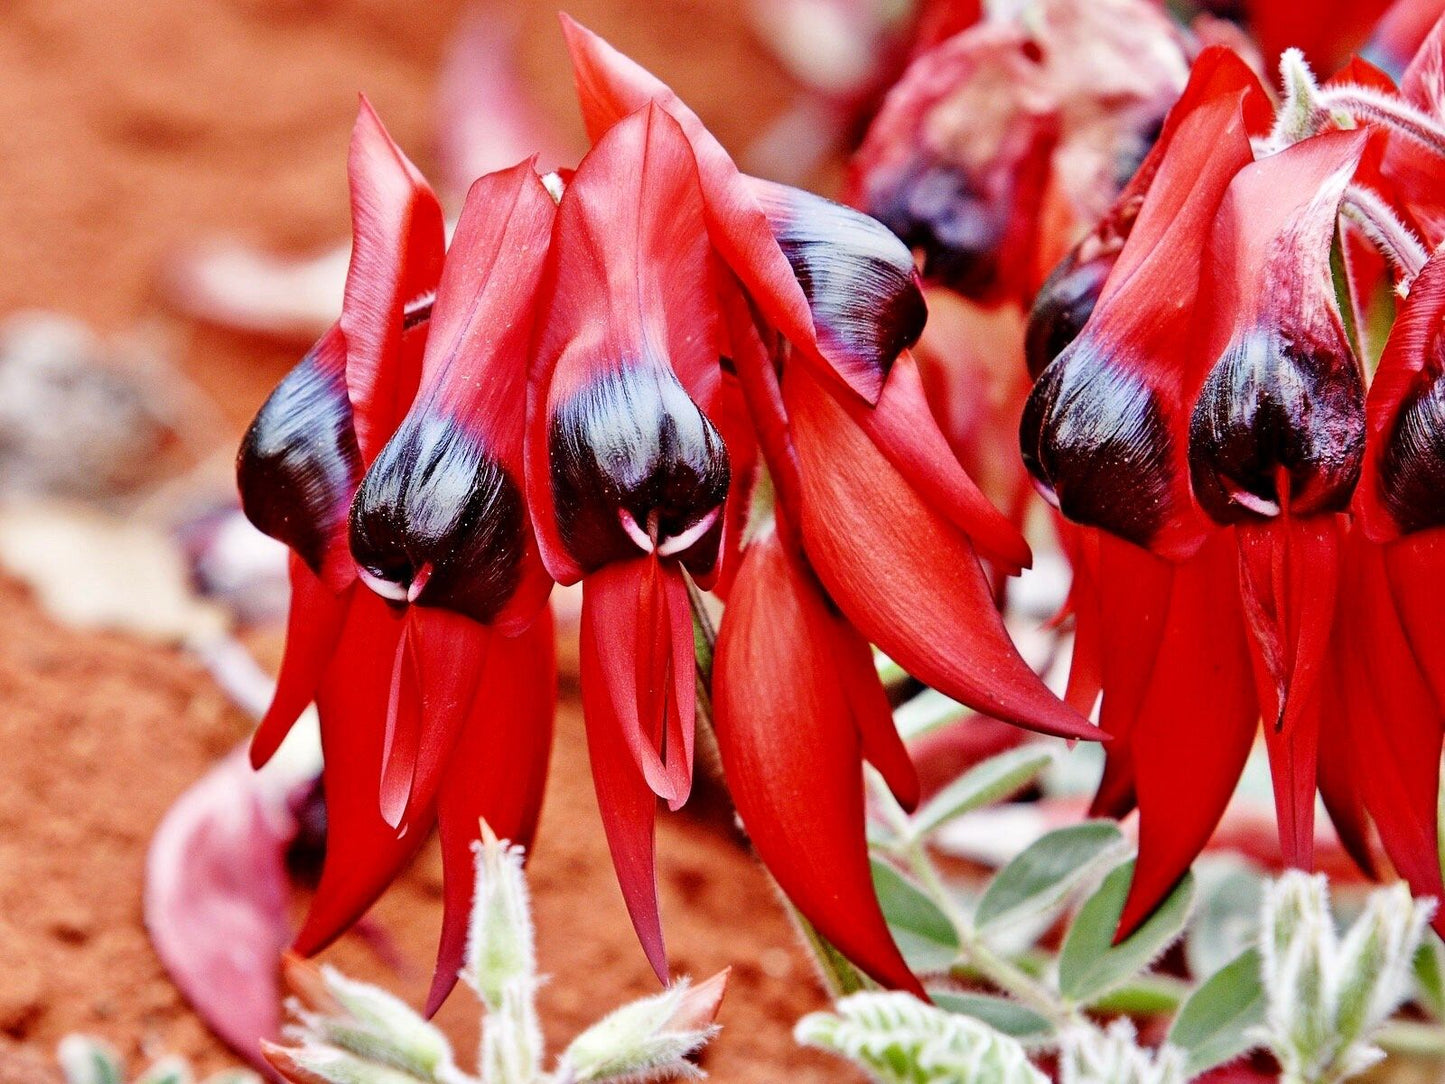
x: 1377, y: 221
x: 1364, y: 103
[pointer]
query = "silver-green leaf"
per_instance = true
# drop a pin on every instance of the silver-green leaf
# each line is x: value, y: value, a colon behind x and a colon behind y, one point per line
x: 924, y: 934
x: 992, y: 781
x: 1042, y: 876
x: 1220, y: 1020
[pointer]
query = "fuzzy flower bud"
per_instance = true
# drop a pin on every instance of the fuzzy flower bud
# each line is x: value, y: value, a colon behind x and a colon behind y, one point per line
x: 500, y: 951
x: 648, y: 1039
x: 901, y: 1040
x: 1328, y: 996
x: 86, y: 1060
x: 1090, y: 1056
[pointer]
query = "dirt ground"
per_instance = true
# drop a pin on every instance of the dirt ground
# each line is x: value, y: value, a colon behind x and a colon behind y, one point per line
x: 127, y: 129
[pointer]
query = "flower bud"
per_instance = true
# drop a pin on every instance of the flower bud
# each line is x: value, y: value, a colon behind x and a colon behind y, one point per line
x: 299, y: 464
x: 439, y: 522
x: 313, y: 1063
x: 500, y: 951
x: 1280, y: 419
x: 87, y: 1060
x: 636, y: 466
x: 648, y: 1039
x: 1090, y: 1056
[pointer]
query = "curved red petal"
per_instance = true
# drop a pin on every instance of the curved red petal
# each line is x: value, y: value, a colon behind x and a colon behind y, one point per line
x: 497, y: 773
x: 626, y: 802
x: 1338, y: 771
x: 1195, y: 726
x: 363, y: 853
x: 792, y: 759
x: 396, y: 259
x: 609, y: 87
x: 313, y: 627
x: 903, y: 573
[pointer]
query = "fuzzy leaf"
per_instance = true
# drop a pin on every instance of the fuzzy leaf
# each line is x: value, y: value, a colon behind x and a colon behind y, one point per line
x: 84, y: 1060
x: 1042, y: 876
x: 999, y: 1013
x: 1090, y: 964
x: 1218, y: 1022
x: 924, y: 934
x: 992, y: 781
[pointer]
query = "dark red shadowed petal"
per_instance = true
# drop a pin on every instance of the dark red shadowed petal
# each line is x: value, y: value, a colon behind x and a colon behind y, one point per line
x: 621, y: 459
x: 903, y: 428
x: 497, y: 773
x: 396, y: 259
x: 1415, y: 565
x: 363, y: 853
x: 1396, y: 724
x: 1399, y: 488
x: 1338, y: 773
x: 1288, y: 571
x: 1134, y: 588
x: 298, y: 464
x: 609, y: 87
x: 1328, y: 30
x: 626, y: 802
x: 904, y: 573
x: 440, y: 516
x: 313, y: 627
x: 1086, y: 662
x: 790, y: 747
x: 1105, y: 427
x: 1195, y: 726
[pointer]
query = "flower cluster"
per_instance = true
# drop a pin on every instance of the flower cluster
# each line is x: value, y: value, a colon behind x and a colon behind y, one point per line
x: 588, y: 385
x: 1256, y: 511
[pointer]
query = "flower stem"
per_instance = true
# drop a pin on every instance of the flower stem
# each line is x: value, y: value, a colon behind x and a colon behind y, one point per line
x: 1377, y: 221
x: 1363, y: 103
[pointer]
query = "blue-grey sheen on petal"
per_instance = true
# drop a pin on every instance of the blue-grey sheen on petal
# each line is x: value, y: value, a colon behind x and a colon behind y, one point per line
x: 858, y: 277
x: 1273, y: 406
x: 298, y: 464
x: 636, y: 466
x: 438, y: 521
x: 1096, y: 440
x: 1063, y: 306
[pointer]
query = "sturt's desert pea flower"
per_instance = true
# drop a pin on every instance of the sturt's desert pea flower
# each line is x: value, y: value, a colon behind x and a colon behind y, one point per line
x: 1274, y: 556
x: 588, y: 390
x: 428, y: 710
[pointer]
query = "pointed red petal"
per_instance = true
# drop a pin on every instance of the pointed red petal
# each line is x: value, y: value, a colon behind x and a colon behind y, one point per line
x: 792, y: 759
x: 1134, y: 587
x: 402, y: 739
x: 1338, y: 771
x: 1195, y: 727
x: 626, y: 802
x: 610, y: 86
x: 1288, y: 570
x: 313, y: 628
x: 497, y: 773
x: 363, y: 853
x: 1414, y: 566
x: 903, y: 573
x: 396, y: 258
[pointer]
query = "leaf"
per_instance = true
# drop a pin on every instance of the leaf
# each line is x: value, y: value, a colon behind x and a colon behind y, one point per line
x: 1090, y: 964
x: 1042, y: 876
x: 1005, y: 1016
x: 1228, y: 894
x: 1216, y: 1023
x: 1430, y: 976
x: 992, y: 781
x: 930, y: 710
x: 924, y: 934
x: 85, y: 1060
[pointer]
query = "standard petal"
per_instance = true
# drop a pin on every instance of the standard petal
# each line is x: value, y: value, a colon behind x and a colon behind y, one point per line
x: 621, y: 458
x: 363, y: 853
x: 398, y: 243
x: 1195, y: 726
x: 610, y: 86
x: 903, y: 573
x: 313, y: 628
x: 792, y: 759
x: 626, y: 802
x: 497, y: 773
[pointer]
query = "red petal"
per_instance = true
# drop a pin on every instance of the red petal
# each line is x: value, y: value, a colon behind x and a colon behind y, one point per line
x: 609, y: 87
x: 1288, y: 570
x: 1135, y: 588
x: 903, y: 428
x: 1338, y: 771
x: 396, y: 258
x: 1195, y: 727
x: 497, y: 773
x: 1414, y: 565
x: 363, y: 852
x: 313, y: 628
x: 792, y: 759
x: 1327, y: 30
x: 1086, y: 661
x: 626, y: 802
x: 903, y: 573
